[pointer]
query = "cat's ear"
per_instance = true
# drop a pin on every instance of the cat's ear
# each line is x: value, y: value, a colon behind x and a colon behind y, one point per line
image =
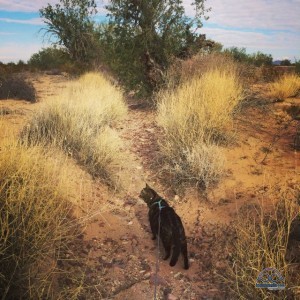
x: 147, y: 186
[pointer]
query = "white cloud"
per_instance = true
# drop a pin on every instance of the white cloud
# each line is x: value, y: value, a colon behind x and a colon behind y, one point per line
x: 14, y: 51
x: 7, y: 33
x: 29, y: 5
x: 275, y: 43
x: 256, y: 14
x: 34, y: 21
x: 252, y: 39
x: 24, y: 5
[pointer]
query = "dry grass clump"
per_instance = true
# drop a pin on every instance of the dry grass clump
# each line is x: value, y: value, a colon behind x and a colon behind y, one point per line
x: 195, y: 117
x: 183, y: 70
x: 263, y: 242
x: 16, y: 87
x: 35, y: 220
x: 286, y: 86
x: 79, y: 122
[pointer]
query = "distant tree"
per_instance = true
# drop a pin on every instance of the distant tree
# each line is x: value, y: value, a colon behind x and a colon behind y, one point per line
x: 142, y: 37
x: 70, y: 23
x: 238, y: 54
x: 258, y: 59
x: 285, y: 62
x: 297, y: 66
x: 49, y: 58
x: 261, y: 59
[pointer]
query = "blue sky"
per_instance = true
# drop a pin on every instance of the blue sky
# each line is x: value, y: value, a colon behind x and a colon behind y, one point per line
x: 270, y: 26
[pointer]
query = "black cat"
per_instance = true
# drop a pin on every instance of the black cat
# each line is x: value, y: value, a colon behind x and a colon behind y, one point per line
x: 171, y: 229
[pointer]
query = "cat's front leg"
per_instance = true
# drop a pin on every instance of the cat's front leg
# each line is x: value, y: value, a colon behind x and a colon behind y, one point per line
x: 153, y: 230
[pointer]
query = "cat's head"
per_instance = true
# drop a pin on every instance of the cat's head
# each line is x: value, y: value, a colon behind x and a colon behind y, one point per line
x: 148, y: 195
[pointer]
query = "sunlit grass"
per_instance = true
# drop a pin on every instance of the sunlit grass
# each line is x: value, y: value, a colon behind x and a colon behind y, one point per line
x: 285, y: 87
x: 262, y: 242
x: 195, y: 117
x: 35, y: 218
x: 79, y: 121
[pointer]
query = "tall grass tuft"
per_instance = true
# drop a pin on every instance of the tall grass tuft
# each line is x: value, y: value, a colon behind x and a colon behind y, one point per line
x: 263, y: 242
x: 285, y: 87
x: 79, y: 122
x: 35, y: 219
x: 195, y: 117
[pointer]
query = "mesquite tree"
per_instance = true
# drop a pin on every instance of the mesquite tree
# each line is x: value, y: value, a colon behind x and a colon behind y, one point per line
x: 70, y: 23
x: 143, y: 36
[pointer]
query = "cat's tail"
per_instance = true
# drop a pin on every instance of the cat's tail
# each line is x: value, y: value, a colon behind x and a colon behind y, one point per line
x: 185, y: 254
x: 175, y: 253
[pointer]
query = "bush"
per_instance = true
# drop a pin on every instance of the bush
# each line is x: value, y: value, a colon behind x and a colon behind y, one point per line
x: 194, y: 117
x: 16, y: 87
x: 257, y: 59
x: 78, y: 122
x: 286, y: 86
x: 263, y: 241
x: 297, y: 67
x: 35, y: 220
x: 183, y: 70
x: 50, y: 58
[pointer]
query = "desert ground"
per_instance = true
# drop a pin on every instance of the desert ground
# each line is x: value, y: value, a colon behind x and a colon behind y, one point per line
x: 114, y: 257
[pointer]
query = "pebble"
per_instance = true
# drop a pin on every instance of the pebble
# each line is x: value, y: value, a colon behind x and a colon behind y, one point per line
x: 172, y: 297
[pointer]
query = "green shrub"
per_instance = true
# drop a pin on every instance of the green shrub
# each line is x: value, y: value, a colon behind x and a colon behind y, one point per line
x: 50, y: 58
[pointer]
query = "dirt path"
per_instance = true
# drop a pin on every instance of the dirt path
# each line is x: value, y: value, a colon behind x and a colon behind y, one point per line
x: 121, y: 255
x: 116, y: 258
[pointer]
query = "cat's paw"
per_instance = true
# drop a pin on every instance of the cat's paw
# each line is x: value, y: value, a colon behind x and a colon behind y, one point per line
x: 166, y: 256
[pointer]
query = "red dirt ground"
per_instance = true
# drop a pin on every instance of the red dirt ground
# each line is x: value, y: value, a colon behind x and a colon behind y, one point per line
x: 116, y: 251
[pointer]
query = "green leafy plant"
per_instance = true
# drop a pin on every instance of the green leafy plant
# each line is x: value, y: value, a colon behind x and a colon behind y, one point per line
x: 143, y: 37
x: 70, y: 23
x: 50, y: 58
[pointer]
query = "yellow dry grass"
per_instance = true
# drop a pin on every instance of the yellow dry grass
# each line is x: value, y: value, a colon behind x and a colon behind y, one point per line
x: 285, y: 87
x: 194, y: 117
x: 262, y: 242
x: 79, y: 121
x: 35, y: 217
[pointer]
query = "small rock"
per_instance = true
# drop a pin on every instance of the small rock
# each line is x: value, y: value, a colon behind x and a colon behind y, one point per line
x: 176, y: 198
x: 178, y: 275
x: 171, y: 297
x: 130, y: 223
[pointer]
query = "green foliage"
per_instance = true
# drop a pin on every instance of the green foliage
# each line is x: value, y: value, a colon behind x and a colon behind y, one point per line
x: 238, y: 54
x: 260, y: 59
x: 143, y: 37
x: 70, y: 23
x: 49, y: 58
x: 285, y: 62
x: 257, y: 59
x: 297, y: 67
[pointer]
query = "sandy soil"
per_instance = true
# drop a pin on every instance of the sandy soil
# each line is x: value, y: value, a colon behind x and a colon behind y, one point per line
x: 116, y: 252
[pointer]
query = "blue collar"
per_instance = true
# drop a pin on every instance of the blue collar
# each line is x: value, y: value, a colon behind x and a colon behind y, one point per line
x: 159, y: 204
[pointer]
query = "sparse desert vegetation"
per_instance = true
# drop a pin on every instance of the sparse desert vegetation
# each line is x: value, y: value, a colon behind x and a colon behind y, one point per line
x: 36, y: 218
x: 284, y: 87
x: 214, y: 131
x: 196, y: 117
x: 198, y: 134
x: 79, y: 121
x: 16, y: 87
x: 267, y: 238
